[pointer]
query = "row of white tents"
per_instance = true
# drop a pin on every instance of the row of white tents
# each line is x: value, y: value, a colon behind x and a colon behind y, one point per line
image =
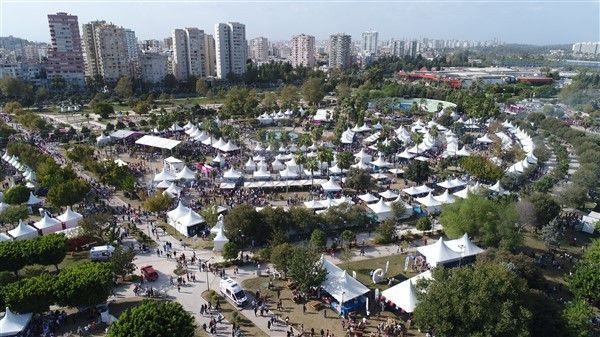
x: 47, y: 224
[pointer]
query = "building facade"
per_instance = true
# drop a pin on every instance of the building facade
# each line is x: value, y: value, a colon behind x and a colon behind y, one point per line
x: 340, y: 51
x: 303, y: 51
x: 132, y: 45
x: 210, y: 63
x: 154, y: 66
x: 92, y: 67
x: 65, y: 56
x: 230, y: 49
x: 188, y: 53
x: 112, y: 52
x: 259, y: 49
x: 369, y: 45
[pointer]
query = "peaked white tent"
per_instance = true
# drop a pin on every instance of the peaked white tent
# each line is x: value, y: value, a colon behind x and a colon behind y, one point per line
x: 438, y: 253
x: 363, y: 156
x: 175, y: 214
x: 186, y: 174
x: 404, y: 294
x: 48, y: 224
x: 164, y: 175
x: 261, y: 173
x: 232, y: 174
x: 387, y: 194
x: 445, y: 198
x: 497, y: 188
x: 287, y: 173
x: 250, y: 165
x: 416, y: 190
x: 331, y: 186
x: 70, y: 218
x: 12, y: 324
x: 163, y: 184
x: 33, y: 200
x: 464, y: 246
x: 341, y: 286
x: 173, y: 190
x: 368, y: 198
x: 219, y: 241
x: 229, y: 147
x: 485, y: 139
x: 381, y: 209
x: 190, y: 219
x: 23, y: 231
x: 430, y: 203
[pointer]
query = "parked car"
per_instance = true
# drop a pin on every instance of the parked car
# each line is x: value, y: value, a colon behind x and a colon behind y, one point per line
x: 149, y: 273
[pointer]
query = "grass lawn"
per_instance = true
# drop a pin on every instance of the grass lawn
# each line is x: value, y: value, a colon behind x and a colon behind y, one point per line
x: 363, y: 267
x: 73, y: 258
x: 227, y: 309
x: 313, y: 318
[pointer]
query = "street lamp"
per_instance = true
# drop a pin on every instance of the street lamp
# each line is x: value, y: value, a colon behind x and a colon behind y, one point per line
x: 342, y: 303
x: 462, y: 247
x: 206, y: 270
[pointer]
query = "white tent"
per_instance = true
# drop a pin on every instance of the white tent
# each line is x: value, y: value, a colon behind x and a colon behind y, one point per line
x: 33, y: 200
x: 219, y: 241
x: 336, y: 170
x: 261, y: 173
x: 361, y: 165
x: 363, y: 156
x: 331, y: 186
x: 485, y: 139
x: 23, y: 231
x: 48, y: 224
x: 404, y: 294
x: 406, y: 155
x: 497, y: 188
x: 464, y: 246
x: 5, y: 237
x: 102, y: 140
x: 314, y: 204
x: 232, y: 174
x: 341, y: 286
x: 387, y: 194
x: 218, y: 144
x: 464, y: 193
x: 445, y: 198
x: 229, y: 147
x: 250, y: 165
x: 172, y: 191
x: 70, y: 218
x: 219, y: 159
x: 159, y: 142
x: 12, y: 323
x: 163, y: 184
x: 381, y: 209
x: 381, y: 162
x: 164, y: 175
x: 438, y: 253
x: 416, y: 190
x: 175, y: 214
x: 288, y: 174
x: 219, y: 225
x: 368, y: 198
x: 190, y: 219
x: 430, y: 202
x: 186, y: 174
x: 201, y: 136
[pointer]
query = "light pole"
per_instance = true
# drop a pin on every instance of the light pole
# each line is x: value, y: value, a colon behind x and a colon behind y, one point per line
x: 206, y: 270
x: 462, y: 247
x: 342, y: 303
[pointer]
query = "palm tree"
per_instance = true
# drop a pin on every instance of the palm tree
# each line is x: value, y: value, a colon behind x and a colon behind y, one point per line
x: 325, y: 156
x: 312, y: 165
x: 344, y: 160
x: 301, y: 161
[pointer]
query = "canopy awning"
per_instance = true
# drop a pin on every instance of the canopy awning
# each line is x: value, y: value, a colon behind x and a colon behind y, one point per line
x: 158, y: 142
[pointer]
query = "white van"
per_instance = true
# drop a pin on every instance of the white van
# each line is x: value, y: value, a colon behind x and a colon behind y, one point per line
x: 231, y: 290
x: 101, y: 253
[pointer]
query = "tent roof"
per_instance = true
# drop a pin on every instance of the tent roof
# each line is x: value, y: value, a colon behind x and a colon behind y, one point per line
x: 13, y: 323
x: 191, y: 218
x: 69, y: 215
x: 464, y: 246
x: 159, y: 142
x: 381, y: 207
x: 178, y: 212
x: 445, y: 198
x: 33, y: 200
x: 388, y: 194
x: 186, y: 174
x: 46, y: 222
x: 331, y: 186
x: 438, y: 252
x: 22, y: 229
x: 428, y: 201
x: 220, y: 237
x: 404, y: 294
x: 367, y: 197
x: 232, y: 174
x: 164, y: 175
x: 340, y: 285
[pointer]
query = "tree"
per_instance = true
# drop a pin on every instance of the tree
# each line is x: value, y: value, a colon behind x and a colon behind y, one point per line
x: 16, y: 195
x: 318, y: 239
x: 243, y: 222
x: 386, y: 232
x: 50, y: 249
x: 32, y: 294
x: 280, y: 256
x: 313, y: 91
x: 154, y: 318
x: 84, y: 284
x: 418, y: 171
x: 490, y: 221
x: 325, y: 155
x: 546, y: 208
x: 122, y: 261
x: 482, y: 167
x: 585, y: 281
x: 103, y: 109
x: 157, y: 203
x: 13, y: 257
x: 99, y: 225
x: 400, y: 211
x: 68, y: 193
x: 424, y: 224
x: 289, y: 97
x: 494, y: 305
x: 14, y: 213
x: 344, y: 159
x: 347, y: 236
x: 201, y: 87
x: 240, y: 101
x: 269, y: 102
x: 573, y: 195
x: 142, y: 107
x: 359, y: 179
x: 230, y: 251
x: 124, y: 87
x: 552, y: 234
x: 13, y: 107
x: 306, y: 269
x: 524, y: 266
x: 578, y: 317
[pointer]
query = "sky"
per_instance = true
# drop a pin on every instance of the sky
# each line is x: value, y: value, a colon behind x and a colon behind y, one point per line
x: 511, y: 21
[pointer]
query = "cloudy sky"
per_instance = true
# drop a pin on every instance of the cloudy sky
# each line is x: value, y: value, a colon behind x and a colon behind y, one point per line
x: 519, y: 21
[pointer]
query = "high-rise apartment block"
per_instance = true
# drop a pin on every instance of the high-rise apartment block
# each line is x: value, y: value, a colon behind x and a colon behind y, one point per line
x: 188, y: 53
x: 340, y: 51
x: 259, y: 49
x: 369, y: 43
x: 303, y: 51
x: 231, y: 49
x: 210, y: 63
x: 108, y: 53
x: 154, y: 66
x: 65, y: 57
x: 132, y: 45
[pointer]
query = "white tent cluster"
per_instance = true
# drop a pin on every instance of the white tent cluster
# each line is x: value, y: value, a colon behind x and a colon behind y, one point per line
x: 442, y: 252
x: 184, y: 219
x: 528, y: 146
x: 24, y: 170
x: 267, y: 118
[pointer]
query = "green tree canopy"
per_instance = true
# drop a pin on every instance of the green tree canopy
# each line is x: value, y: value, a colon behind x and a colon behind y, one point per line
x: 585, y: 281
x: 359, y: 180
x: 50, y: 249
x: 318, y: 239
x: 245, y: 220
x: 313, y: 91
x: 14, y: 213
x: 546, y: 208
x: 157, y: 203
x: 16, y: 195
x: 230, y: 251
x: 32, y: 294
x: 122, y: 261
x: 418, y: 171
x: 124, y: 87
x: 84, y: 284
x: 281, y: 255
x: 68, y: 193
x: 154, y: 318
x: 306, y: 269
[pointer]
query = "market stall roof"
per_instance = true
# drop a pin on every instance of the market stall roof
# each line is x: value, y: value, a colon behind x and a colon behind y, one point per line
x: 178, y: 212
x: 23, y: 231
x: 497, y: 188
x: 12, y: 323
x: 314, y: 204
x: 331, y: 186
x: 388, y: 194
x: 464, y: 246
x: 341, y: 286
x: 380, y: 207
x: 404, y: 294
x: 438, y: 253
x: 48, y: 223
x: 158, y: 142
x: 415, y: 190
x: 69, y: 216
x: 33, y: 200
x: 232, y: 174
x: 428, y: 201
x: 186, y: 174
x: 164, y: 175
x: 190, y: 218
x: 445, y: 198
x: 123, y: 134
x: 287, y: 173
x: 368, y: 197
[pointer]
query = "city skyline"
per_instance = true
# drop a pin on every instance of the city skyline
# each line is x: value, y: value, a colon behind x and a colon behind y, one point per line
x: 530, y: 23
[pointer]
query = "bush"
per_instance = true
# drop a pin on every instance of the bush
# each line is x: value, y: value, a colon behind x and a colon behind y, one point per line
x: 17, y: 195
x: 424, y: 224
x: 386, y: 232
